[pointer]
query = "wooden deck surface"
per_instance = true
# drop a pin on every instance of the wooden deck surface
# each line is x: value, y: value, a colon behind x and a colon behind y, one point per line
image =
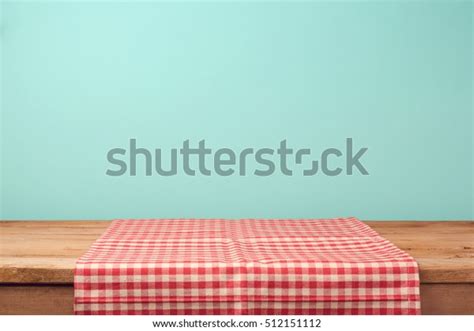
x: 45, y: 252
x: 37, y: 262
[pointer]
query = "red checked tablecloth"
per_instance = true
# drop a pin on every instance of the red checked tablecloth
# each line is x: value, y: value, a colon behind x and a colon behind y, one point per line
x: 192, y: 266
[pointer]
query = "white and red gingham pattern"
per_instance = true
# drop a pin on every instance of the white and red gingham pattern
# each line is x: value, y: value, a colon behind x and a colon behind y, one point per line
x: 325, y: 266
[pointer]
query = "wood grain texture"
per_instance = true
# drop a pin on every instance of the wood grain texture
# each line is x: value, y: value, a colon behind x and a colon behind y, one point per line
x: 453, y: 299
x: 36, y: 300
x: 45, y: 252
x: 447, y: 299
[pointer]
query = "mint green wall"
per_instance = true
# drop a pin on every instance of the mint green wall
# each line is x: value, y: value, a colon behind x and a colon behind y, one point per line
x: 81, y: 78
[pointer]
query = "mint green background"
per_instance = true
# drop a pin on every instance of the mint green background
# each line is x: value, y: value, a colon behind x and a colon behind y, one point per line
x: 81, y: 78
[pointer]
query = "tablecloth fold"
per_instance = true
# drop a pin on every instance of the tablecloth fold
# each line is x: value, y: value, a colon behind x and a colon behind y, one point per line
x: 249, y: 266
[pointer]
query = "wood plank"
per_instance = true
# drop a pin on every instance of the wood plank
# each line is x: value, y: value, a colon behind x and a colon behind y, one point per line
x: 36, y: 300
x: 444, y: 250
x: 453, y: 299
x: 447, y: 299
x: 45, y: 252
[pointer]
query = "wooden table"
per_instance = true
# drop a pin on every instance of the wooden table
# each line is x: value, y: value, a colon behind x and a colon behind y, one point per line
x: 37, y: 262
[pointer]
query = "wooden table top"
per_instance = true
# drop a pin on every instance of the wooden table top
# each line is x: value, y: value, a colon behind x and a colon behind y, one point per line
x: 44, y: 252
